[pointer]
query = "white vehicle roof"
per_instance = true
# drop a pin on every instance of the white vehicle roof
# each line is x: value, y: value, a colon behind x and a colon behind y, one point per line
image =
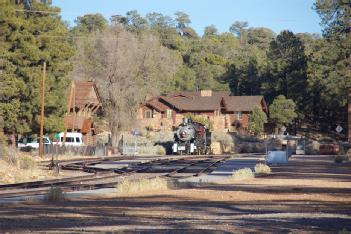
x: 71, y: 134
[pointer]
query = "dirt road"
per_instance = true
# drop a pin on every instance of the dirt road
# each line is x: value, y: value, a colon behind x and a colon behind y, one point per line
x: 310, y: 194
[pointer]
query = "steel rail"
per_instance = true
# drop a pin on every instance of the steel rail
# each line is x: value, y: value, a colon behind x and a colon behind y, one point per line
x: 74, y: 184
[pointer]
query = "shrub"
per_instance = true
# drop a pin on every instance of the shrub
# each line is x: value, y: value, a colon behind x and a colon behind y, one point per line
x: 140, y: 186
x: 339, y: 159
x: 55, y: 194
x: 161, y: 150
x: 10, y: 156
x: 261, y: 168
x: 243, y: 174
x: 348, y: 155
x: 26, y: 162
x: 225, y: 140
x: 312, y: 147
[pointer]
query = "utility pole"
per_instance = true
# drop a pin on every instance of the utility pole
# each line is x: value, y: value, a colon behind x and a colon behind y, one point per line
x: 74, y: 106
x: 68, y: 112
x: 41, y: 146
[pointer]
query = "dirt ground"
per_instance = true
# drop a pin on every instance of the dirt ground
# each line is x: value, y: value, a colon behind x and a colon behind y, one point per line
x: 310, y: 194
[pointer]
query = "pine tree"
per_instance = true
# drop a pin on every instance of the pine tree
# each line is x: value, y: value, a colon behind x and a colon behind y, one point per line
x: 257, y: 120
x: 27, y: 39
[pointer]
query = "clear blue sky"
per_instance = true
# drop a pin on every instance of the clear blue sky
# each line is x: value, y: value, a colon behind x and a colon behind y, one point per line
x: 295, y: 15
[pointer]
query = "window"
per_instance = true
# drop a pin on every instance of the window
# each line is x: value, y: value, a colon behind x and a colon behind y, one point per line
x: 239, y: 115
x: 68, y: 139
x: 77, y: 139
x: 148, y: 114
x: 169, y: 114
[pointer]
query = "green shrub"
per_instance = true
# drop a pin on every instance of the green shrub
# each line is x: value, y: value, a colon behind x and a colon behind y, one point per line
x: 161, y: 150
x: 243, y: 174
x: 261, y: 168
x: 55, y: 194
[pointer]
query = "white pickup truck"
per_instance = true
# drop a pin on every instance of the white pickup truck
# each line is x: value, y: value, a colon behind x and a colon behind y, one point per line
x: 32, y: 142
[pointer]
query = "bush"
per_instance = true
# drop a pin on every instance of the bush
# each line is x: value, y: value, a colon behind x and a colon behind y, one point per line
x: 243, y: 174
x: 312, y: 147
x: 348, y: 154
x: 26, y: 162
x: 247, y: 147
x: 225, y: 140
x: 161, y: 150
x: 137, y: 187
x: 340, y: 159
x: 261, y: 168
x: 55, y: 194
x: 10, y: 156
x: 150, y: 145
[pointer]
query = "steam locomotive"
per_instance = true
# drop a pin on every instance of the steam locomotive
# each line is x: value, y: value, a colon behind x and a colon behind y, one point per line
x: 191, y: 138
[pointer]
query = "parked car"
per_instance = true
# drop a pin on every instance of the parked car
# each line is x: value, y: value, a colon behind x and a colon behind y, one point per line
x: 72, y: 139
x: 32, y: 142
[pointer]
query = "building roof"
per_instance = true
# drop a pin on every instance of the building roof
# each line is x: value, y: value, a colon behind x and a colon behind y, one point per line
x: 86, y: 93
x: 206, y: 101
x: 243, y: 103
x: 156, y: 104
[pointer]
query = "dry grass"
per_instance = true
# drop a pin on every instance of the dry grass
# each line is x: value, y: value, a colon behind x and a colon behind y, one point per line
x: 142, y: 186
x: 243, y: 174
x: 261, y: 168
x: 26, y: 163
x: 55, y: 194
x: 16, y: 167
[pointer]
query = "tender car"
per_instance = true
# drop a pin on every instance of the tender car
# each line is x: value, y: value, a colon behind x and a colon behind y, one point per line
x: 31, y: 142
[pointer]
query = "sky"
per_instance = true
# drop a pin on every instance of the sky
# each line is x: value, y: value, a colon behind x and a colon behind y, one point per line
x: 294, y: 15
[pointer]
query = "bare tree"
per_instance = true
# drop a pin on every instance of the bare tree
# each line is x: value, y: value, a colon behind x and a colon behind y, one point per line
x: 127, y: 68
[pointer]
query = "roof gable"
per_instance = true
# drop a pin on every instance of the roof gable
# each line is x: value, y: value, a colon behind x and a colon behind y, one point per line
x: 86, y: 93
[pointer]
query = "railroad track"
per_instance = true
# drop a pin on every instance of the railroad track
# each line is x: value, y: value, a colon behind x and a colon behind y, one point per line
x: 107, y: 178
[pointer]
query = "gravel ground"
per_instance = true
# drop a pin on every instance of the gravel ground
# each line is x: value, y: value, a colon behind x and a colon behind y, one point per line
x: 311, y: 194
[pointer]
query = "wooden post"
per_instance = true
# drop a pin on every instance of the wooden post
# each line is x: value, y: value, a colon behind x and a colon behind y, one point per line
x: 74, y: 106
x: 41, y: 146
x: 67, y: 114
x: 349, y: 115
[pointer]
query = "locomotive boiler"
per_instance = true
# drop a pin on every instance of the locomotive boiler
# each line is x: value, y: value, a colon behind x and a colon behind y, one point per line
x: 191, y: 138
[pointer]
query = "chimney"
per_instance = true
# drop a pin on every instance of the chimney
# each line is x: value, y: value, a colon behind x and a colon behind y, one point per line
x: 206, y: 93
x: 349, y: 115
